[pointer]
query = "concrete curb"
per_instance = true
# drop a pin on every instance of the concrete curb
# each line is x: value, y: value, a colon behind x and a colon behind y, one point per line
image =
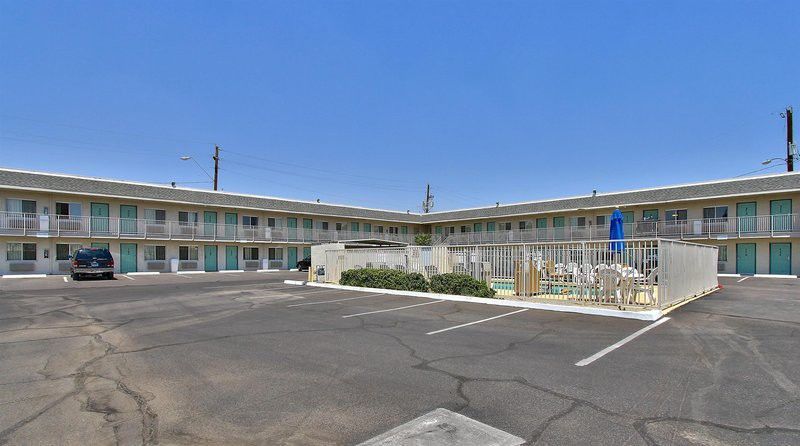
x: 644, y: 315
x: 729, y: 275
x: 190, y: 272
x: 24, y: 276
x: 267, y: 270
x: 776, y: 276
x: 144, y: 273
x: 231, y: 271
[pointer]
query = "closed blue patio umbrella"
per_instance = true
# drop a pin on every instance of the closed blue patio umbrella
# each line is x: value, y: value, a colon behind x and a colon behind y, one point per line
x: 617, y: 232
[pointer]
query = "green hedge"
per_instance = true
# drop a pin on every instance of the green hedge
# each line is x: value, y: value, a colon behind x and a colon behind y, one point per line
x: 388, y: 279
x: 460, y: 284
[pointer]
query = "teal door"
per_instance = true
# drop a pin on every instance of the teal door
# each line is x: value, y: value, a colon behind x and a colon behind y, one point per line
x: 780, y: 258
x: 231, y: 257
x: 308, y: 225
x: 230, y: 225
x: 99, y: 213
x: 558, y: 225
x: 746, y: 213
x: 210, y: 257
x: 746, y: 258
x: 127, y: 257
x: 781, y: 211
x: 291, y: 224
x: 292, y: 256
x: 210, y: 226
x: 306, y: 252
x: 127, y: 219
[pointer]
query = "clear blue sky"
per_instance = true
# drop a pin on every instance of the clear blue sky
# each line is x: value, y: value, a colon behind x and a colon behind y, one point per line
x: 489, y: 101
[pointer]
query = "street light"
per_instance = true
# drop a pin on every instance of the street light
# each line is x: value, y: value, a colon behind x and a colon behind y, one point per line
x: 187, y: 158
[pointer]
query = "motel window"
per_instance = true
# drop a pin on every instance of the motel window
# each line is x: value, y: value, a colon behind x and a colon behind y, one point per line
x: 354, y: 226
x: 187, y: 218
x: 21, y: 251
x: 505, y: 226
x: 155, y: 216
x: 490, y: 226
x: 379, y: 229
x: 674, y: 215
x: 71, y: 209
x: 600, y: 220
x: 64, y: 250
x: 271, y: 222
x: 324, y: 225
x: 715, y: 212
x: 650, y: 215
x: 250, y: 253
x: 465, y: 229
x: 275, y: 253
x: 722, y: 253
x: 187, y: 252
x: 338, y: 226
x: 367, y: 227
x: 155, y: 252
x: 525, y: 225
x: 21, y: 206
x: 577, y: 221
x: 394, y: 230
x: 248, y: 220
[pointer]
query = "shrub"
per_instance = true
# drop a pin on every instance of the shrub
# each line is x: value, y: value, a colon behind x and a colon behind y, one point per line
x: 422, y: 240
x: 389, y: 279
x: 460, y: 284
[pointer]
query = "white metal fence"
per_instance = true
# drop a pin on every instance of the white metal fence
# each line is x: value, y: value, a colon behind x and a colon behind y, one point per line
x: 653, y: 273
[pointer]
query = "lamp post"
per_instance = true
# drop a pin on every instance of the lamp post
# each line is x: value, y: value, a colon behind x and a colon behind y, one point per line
x: 187, y: 158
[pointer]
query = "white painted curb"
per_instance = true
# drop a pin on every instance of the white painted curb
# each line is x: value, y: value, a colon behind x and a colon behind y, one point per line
x: 231, y: 271
x: 777, y: 276
x: 190, y: 272
x: 268, y: 270
x: 729, y: 275
x: 144, y: 273
x: 24, y: 276
x: 294, y: 270
x: 644, y: 315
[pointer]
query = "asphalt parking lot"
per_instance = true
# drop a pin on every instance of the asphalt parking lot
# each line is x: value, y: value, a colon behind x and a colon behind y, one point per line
x: 243, y: 358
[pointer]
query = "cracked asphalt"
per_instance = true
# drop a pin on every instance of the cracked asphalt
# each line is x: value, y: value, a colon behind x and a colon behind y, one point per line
x: 223, y: 359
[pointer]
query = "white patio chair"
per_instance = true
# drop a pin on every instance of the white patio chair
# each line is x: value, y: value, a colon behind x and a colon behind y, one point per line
x: 609, y: 285
x: 646, y: 286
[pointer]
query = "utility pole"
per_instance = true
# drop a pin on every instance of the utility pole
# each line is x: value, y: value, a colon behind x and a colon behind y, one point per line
x: 789, y: 141
x: 216, y: 166
x: 427, y: 205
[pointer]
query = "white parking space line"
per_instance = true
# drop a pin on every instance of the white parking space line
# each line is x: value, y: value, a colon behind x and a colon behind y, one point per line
x: 394, y: 309
x: 619, y: 344
x: 477, y: 322
x: 334, y: 301
x: 231, y: 275
x: 185, y: 276
x: 128, y: 277
x: 743, y: 279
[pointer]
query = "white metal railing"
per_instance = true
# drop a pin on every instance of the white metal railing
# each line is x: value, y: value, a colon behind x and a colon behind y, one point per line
x: 648, y: 273
x: 756, y: 226
x: 24, y: 224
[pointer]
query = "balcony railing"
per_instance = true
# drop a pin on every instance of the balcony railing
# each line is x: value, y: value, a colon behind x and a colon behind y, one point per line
x: 708, y: 228
x: 41, y: 225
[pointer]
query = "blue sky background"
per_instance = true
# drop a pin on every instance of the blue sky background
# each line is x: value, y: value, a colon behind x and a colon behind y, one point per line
x: 363, y: 102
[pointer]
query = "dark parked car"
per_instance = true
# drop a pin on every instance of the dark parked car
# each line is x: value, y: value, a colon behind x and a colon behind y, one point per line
x: 304, y: 264
x: 92, y: 262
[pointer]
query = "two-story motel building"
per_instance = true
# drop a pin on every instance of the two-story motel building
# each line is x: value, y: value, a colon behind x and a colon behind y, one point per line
x: 46, y: 216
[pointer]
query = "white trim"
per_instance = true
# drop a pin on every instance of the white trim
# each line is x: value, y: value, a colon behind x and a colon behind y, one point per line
x: 644, y: 315
x: 611, y: 348
x: 777, y: 276
x: 24, y: 276
x: 144, y: 273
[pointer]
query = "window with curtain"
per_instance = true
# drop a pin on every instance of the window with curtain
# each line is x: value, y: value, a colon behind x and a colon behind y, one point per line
x: 155, y: 252
x: 21, y: 251
x: 187, y: 252
x: 155, y: 216
x: 250, y: 253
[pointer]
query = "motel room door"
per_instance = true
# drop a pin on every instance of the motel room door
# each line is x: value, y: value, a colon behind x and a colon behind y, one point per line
x: 99, y: 212
x: 127, y: 219
x: 292, y: 251
x: 780, y: 258
x: 746, y: 213
x: 231, y: 257
x: 781, y: 211
x: 127, y: 258
x: 210, y: 257
x: 746, y: 258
